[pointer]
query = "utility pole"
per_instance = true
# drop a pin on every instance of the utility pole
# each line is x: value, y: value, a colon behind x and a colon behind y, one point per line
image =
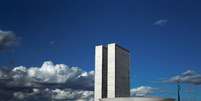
x: 178, y: 91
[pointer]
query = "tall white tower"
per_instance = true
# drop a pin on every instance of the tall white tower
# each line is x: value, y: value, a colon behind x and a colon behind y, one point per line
x: 112, y: 65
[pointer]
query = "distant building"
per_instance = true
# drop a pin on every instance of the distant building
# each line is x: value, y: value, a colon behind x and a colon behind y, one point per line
x: 112, y: 80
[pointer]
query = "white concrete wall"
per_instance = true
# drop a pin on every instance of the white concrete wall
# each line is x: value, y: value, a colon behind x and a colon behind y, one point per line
x: 98, y: 72
x: 111, y: 71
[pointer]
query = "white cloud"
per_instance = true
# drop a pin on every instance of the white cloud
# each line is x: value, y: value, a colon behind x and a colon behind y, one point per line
x: 7, y: 39
x: 19, y: 95
x: 69, y: 94
x: 46, y: 83
x: 142, y: 91
x: 54, y: 73
x: 55, y: 94
x: 190, y: 77
x: 160, y: 22
x: 1, y: 74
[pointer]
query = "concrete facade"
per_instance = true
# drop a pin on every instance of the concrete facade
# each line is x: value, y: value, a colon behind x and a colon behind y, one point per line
x: 100, y: 72
x: 118, y: 71
x: 137, y: 99
x: 112, y: 64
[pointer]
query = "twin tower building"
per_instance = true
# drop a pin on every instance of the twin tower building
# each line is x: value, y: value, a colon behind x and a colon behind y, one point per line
x: 112, y: 67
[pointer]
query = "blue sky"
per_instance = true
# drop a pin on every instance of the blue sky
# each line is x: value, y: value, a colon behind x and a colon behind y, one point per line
x: 163, y: 36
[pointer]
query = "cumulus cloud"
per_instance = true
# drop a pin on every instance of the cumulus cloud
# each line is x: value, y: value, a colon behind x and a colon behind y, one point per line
x: 190, y: 77
x: 54, y: 95
x: 2, y: 74
x: 160, y: 22
x: 142, y: 91
x: 55, y: 74
x: 69, y: 94
x: 7, y: 39
x: 48, y: 82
